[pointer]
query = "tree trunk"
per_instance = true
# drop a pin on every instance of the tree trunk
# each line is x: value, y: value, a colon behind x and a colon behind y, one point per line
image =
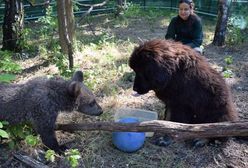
x: 66, y: 28
x: 221, y: 26
x: 70, y: 27
x: 120, y: 7
x: 13, y: 25
x: 177, y: 131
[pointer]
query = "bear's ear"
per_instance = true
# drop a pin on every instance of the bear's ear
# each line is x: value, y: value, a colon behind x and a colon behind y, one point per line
x: 78, y: 76
x: 74, y: 89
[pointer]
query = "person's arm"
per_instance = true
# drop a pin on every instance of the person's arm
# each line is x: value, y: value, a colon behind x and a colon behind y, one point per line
x: 171, y: 32
x: 197, y: 35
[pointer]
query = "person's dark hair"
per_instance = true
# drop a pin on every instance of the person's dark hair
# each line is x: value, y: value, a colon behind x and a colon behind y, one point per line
x: 189, y: 2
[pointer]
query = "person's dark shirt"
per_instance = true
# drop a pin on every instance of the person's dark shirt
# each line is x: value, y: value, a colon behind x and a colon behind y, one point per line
x: 188, y: 31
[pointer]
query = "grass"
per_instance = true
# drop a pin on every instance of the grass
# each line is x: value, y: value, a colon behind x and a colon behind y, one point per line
x: 105, y: 60
x: 104, y: 47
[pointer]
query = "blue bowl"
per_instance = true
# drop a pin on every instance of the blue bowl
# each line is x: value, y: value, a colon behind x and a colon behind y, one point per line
x: 128, y: 141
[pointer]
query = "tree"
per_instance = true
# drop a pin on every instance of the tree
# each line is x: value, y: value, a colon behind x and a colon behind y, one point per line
x: 13, y: 25
x: 221, y: 26
x: 66, y: 28
x: 121, y: 4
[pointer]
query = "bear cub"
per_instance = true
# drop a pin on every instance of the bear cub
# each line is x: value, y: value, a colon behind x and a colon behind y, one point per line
x: 39, y: 101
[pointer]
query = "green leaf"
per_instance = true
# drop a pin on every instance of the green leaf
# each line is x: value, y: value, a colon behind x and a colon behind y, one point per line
x: 72, y: 156
x: 17, y: 131
x: 50, y: 155
x: 11, y: 144
x: 5, y: 122
x: 31, y: 140
x: 229, y: 60
x: 4, y: 134
x: 2, y: 123
x: 228, y: 74
x: 7, y: 78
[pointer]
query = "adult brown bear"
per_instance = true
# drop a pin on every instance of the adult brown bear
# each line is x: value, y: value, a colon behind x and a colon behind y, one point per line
x: 192, y: 91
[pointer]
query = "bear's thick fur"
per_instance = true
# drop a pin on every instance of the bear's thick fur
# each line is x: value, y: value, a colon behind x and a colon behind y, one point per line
x: 39, y: 100
x: 192, y: 91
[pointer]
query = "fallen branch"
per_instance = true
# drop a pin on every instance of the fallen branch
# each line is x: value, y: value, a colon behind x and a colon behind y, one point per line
x: 177, y: 131
x: 29, y: 161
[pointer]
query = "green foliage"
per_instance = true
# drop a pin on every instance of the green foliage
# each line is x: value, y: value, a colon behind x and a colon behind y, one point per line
x: 228, y: 60
x: 50, y: 155
x: 24, y: 41
x: 237, y: 26
x: 3, y: 133
x: 102, y: 39
x: 20, y: 132
x: 51, y: 49
x: 61, y: 62
x: 76, y: 6
x: 54, y: 55
x: 105, y: 38
x: 239, y: 9
x: 227, y: 72
x: 149, y: 12
x: 73, y: 155
x: 7, y: 64
x: 98, y: 80
x: 48, y: 22
x: 32, y: 140
x: 7, y: 78
x: 108, y: 68
x: 237, y: 29
x: 91, y: 78
x: 133, y: 10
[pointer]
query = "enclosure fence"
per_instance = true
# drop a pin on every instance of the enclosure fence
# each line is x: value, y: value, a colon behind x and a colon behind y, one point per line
x: 202, y: 7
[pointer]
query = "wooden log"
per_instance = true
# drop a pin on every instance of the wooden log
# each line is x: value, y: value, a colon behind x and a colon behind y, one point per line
x: 177, y: 131
x: 29, y: 161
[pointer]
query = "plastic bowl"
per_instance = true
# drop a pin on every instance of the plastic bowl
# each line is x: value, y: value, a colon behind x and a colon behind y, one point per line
x: 140, y: 114
x: 128, y: 141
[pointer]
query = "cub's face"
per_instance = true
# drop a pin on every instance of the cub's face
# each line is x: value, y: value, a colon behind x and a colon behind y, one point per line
x: 86, y: 102
x: 85, y: 99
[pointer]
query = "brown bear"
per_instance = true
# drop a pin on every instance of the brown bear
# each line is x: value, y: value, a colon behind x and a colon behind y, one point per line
x: 39, y: 100
x: 191, y: 89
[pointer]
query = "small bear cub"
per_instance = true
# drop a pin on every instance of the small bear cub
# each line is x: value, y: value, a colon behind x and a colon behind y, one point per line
x: 39, y: 101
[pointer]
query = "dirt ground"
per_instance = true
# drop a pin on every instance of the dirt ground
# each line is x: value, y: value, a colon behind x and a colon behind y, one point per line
x: 96, y: 147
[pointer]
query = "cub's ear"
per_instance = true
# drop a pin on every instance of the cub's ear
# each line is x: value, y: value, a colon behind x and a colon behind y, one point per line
x: 78, y: 76
x: 74, y: 89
